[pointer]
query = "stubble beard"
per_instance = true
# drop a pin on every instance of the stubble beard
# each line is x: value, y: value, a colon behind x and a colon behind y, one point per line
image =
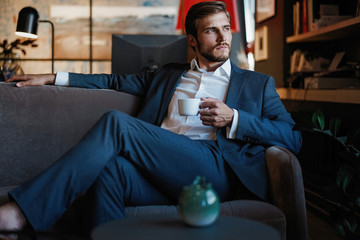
x: 210, y: 55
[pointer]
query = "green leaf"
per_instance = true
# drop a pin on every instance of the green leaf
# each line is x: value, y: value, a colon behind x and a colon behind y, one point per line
x: 343, y: 179
x: 350, y: 226
x: 357, y: 201
x: 335, y: 124
x: 346, y: 181
x: 340, y: 230
x: 347, y: 224
x: 342, y: 140
x: 318, y: 119
x: 328, y: 132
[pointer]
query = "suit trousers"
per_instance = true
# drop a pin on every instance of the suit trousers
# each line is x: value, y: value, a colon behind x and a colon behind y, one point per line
x: 121, y: 161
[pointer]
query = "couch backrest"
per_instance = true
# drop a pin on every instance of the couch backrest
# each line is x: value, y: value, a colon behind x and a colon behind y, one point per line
x: 39, y: 124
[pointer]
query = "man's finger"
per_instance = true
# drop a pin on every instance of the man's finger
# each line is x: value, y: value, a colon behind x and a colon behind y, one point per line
x: 205, y: 112
x: 16, y: 78
x: 22, y: 84
x: 209, y: 104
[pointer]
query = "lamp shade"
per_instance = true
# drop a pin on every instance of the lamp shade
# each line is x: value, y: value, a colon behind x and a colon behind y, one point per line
x: 27, y: 23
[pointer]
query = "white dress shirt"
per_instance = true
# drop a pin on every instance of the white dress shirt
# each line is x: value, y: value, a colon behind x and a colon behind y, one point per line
x: 195, y: 83
x: 198, y: 83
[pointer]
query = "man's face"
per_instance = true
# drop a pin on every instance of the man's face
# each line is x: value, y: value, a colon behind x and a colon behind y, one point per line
x: 213, y: 44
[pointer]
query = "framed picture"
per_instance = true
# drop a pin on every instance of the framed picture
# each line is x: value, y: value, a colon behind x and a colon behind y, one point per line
x: 265, y: 9
x: 261, y: 44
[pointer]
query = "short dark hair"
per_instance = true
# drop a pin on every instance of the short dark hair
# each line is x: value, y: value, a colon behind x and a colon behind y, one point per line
x: 201, y: 10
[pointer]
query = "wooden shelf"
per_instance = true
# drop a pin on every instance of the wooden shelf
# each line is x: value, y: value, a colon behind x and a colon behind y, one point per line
x: 336, y: 31
x: 335, y: 96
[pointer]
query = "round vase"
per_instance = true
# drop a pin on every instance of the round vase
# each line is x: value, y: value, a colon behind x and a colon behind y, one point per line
x: 199, y: 204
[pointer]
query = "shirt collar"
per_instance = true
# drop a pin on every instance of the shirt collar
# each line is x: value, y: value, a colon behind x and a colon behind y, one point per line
x: 225, y: 68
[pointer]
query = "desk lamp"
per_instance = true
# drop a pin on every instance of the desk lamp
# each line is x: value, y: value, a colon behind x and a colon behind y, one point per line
x: 27, y: 27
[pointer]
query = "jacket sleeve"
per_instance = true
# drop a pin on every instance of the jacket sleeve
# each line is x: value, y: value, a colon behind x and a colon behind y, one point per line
x: 271, y: 124
x: 135, y: 84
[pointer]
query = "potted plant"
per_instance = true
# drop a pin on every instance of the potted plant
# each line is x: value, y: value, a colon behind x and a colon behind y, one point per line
x: 9, y: 56
x: 347, y: 217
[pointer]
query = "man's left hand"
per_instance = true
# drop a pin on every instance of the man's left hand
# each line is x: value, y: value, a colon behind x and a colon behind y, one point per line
x: 215, y: 113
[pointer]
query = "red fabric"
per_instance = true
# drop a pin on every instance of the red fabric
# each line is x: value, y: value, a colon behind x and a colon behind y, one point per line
x: 186, y: 4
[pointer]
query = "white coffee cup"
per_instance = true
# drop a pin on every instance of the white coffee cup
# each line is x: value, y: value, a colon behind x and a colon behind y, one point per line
x: 189, y: 106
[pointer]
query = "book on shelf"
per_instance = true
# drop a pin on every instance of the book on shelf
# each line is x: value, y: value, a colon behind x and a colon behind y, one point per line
x: 296, y: 18
x: 309, y: 15
x: 301, y: 62
x: 304, y: 16
x: 301, y: 21
x: 329, y: 20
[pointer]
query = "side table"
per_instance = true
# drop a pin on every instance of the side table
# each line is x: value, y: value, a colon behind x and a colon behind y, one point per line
x: 159, y: 227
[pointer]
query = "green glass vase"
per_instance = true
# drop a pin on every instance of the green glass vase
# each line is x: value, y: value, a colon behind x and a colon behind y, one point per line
x: 199, y: 204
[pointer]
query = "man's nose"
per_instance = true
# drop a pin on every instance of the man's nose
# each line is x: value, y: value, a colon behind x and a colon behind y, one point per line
x: 221, y: 36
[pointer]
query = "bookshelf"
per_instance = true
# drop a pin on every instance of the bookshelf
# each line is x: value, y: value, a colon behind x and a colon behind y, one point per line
x: 336, y: 31
x: 324, y: 42
x: 341, y: 30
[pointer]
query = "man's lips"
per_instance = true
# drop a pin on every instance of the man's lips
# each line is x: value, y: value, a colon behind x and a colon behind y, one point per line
x: 222, y: 46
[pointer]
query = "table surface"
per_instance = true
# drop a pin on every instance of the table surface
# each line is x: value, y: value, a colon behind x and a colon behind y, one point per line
x: 158, y: 227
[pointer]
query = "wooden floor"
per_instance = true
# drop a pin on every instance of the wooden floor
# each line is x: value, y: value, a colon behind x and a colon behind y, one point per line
x: 320, y: 229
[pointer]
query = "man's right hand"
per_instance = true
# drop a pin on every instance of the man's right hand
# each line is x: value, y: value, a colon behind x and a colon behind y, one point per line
x: 33, y: 79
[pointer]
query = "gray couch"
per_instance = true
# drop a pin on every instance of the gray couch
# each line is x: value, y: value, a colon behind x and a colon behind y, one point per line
x: 39, y: 124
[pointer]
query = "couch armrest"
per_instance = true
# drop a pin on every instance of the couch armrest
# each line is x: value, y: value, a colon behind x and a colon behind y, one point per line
x: 287, y: 190
x: 39, y: 124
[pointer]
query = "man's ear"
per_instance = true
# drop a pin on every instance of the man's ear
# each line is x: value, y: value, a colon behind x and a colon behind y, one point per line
x: 191, y: 40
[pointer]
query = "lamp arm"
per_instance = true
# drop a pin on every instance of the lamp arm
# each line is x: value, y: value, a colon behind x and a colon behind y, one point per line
x: 52, y: 42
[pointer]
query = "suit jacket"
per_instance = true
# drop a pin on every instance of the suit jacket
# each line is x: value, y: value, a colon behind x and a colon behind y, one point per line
x: 263, y: 120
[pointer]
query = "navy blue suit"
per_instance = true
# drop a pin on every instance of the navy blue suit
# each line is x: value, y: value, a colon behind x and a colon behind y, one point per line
x: 134, y: 154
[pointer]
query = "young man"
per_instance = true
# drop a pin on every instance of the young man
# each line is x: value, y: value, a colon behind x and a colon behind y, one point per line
x: 148, y: 159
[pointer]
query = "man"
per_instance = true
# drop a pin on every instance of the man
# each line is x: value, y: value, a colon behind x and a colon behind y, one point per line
x: 147, y: 160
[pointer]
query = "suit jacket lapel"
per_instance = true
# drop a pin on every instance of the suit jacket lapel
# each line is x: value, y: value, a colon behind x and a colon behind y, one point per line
x: 171, y: 86
x: 157, y: 99
x: 237, y: 79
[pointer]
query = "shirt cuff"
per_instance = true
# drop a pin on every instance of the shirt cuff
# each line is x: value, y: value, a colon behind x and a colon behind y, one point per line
x: 62, y: 79
x: 231, y: 131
